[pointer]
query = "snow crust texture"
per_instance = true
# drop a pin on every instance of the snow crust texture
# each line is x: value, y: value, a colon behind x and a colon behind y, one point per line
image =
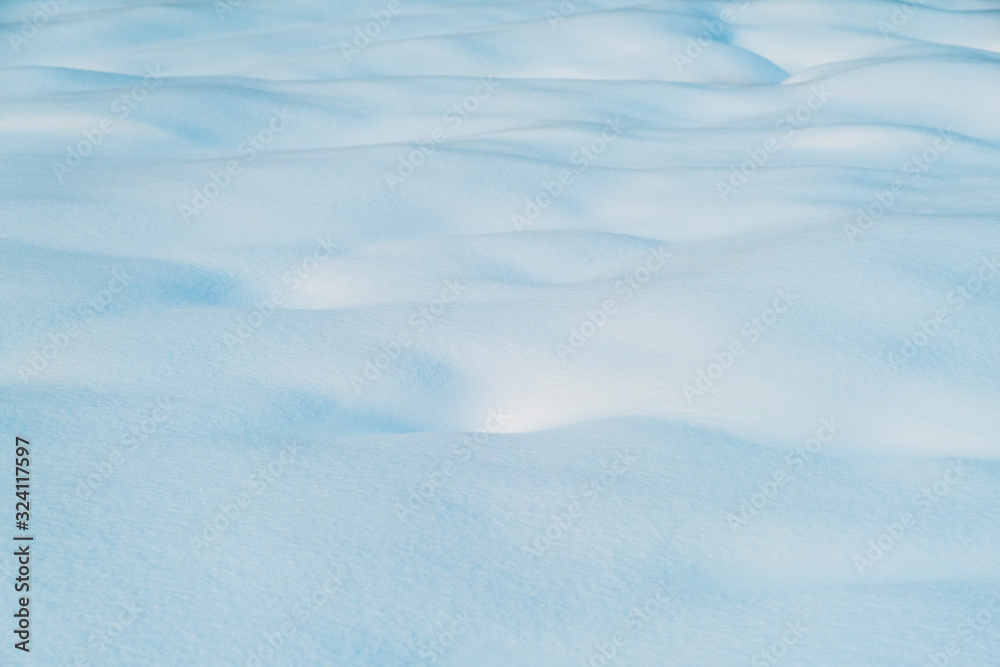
x: 539, y: 333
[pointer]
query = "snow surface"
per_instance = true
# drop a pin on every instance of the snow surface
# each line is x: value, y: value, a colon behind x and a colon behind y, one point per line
x: 354, y: 401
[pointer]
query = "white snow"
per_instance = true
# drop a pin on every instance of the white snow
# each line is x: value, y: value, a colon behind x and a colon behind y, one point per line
x: 476, y: 332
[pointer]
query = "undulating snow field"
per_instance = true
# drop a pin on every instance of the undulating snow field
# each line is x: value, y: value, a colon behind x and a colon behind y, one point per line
x: 539, y: 333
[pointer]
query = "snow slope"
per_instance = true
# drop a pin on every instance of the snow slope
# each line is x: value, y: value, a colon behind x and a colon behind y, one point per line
x: 530, y: 333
